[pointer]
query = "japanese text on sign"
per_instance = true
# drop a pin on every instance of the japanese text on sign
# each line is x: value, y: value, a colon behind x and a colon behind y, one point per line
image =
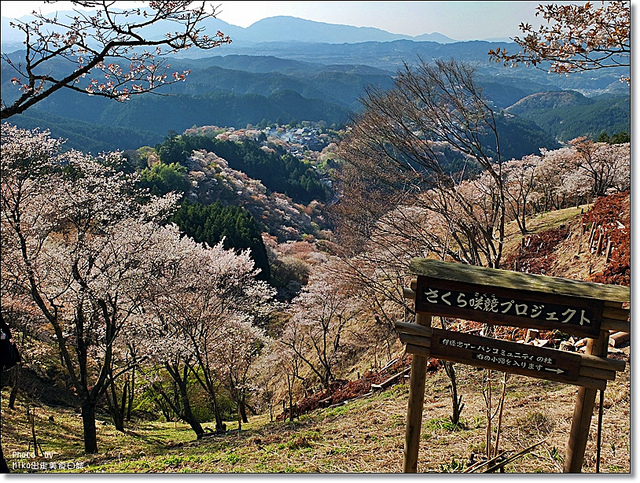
x: 504, y: 357
x: 500, y: 305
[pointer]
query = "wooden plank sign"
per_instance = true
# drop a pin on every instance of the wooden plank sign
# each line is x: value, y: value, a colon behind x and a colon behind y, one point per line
x: 517, y: 299
x: 526, y: 360
x: 506, y: 306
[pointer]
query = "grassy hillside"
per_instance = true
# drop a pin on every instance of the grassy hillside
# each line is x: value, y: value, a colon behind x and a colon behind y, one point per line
x: 365, y: 435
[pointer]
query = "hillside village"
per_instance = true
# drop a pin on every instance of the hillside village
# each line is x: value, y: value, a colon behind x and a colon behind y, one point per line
x: 303, y: 142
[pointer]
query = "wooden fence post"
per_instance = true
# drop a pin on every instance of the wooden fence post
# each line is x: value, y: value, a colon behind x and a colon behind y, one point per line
x: 592, y: 234
x: 582, y: 412
x: 607, y: 255
x: 416, y: 402
x: 599, y: 245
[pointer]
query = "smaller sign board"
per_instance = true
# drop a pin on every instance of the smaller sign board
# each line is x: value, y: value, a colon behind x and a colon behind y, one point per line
x: 503, y: 306
x: 526, y: 360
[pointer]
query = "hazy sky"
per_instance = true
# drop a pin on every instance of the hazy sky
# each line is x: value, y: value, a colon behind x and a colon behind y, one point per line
x: 458, y: 20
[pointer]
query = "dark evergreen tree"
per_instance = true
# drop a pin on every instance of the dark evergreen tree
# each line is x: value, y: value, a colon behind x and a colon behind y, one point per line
x: 211, y: 223
x: 173, y: 149
x: 280, y: 172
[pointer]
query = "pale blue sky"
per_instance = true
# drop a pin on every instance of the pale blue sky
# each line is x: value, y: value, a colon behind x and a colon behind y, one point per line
x: 459, y: 20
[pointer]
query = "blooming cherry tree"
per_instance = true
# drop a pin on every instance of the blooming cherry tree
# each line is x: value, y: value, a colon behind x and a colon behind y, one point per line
x: 75, y: 238
x: 520, y: 182
x: 321, y: 314
x: 575, y: 38
x: 204, y: 305
x: 107, y: 52
x: 238, y: 351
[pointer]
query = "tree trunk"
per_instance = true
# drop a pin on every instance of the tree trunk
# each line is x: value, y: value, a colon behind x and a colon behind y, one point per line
x: 89, y: 427
x: 15, y: 376
x: 192, y: 421
x: 290, y: 392
x: 184, y: 412
x: 3, y: 463
x: 456, y: 401
x: 187, y: 413
x: 243, y: 409
x: 116, y: 411
x: 131, y: 393
x: 220, y: 426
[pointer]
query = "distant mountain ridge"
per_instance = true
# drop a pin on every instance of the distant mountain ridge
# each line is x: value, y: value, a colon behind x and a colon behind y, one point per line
x: 294, y: 29
x: 271, y: 29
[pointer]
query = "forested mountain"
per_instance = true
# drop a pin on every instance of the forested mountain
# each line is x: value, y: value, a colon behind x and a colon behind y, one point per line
x: 86, y: 136
x: 272, y: 29
x: 281, y: 172
x: 218, y: 95
x: 568, y: 114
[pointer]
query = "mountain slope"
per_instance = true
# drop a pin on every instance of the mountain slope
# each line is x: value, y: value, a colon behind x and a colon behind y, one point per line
x: 568, y: 114
x: 89, y: 137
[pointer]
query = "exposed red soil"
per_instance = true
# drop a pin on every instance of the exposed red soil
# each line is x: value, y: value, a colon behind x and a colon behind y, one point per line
x: 612, y: 215
x: 537, y: 254
x: 343, y: 390
x: 609, y: 217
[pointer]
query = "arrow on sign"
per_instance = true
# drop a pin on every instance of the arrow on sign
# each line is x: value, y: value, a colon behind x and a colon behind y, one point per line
x: 557, y: 370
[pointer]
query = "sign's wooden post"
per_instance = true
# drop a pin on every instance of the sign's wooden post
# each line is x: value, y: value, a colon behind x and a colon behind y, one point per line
x: 582, y: 412
x: 513, y: 299
x: 416, y: 402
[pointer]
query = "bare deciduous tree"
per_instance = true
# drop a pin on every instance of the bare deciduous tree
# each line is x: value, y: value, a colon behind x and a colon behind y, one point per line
x: 405, y: 135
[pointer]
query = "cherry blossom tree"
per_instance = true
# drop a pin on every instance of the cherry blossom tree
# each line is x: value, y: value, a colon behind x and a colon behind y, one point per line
x: 267, y: 374
x: 238, y: 351
x: 171, y: 354
x: 75, y: 237
x: 288, y: 363
x: 605, y: 165
x: 379, y: 271
x: 579, y: 173
x: 205, y: 305
x: 320, y: 316
x: 108, y: 51
x: 123, y: 389
x: 520, y: 182
x: 551, y: 172
x: 575, y: 38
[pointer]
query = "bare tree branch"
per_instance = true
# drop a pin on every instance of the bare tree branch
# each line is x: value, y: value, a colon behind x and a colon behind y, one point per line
x: 575, y: 38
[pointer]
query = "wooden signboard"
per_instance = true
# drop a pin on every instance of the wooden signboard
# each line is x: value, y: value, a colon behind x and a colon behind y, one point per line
x: 522, y: 282
x: 526, y: 360
x: 521, y: 300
